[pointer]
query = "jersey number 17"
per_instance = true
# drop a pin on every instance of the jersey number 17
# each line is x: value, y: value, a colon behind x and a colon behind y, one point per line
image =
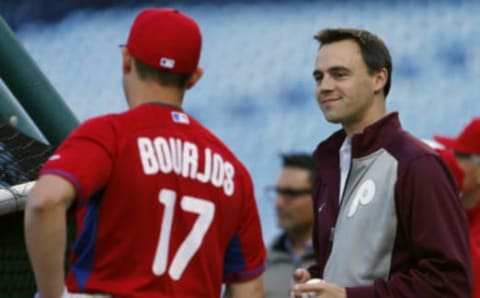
x: 187, y: 249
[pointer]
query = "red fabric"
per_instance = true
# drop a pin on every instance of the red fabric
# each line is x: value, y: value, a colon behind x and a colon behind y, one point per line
x: 473, y: 220
x: 449, y: 158
x: 164, y: 209
x: 166, y: 39
x: 467, y: 141
x: 474, y: 224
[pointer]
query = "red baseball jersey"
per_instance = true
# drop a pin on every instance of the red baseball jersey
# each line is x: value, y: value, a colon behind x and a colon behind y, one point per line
x: 163, y: 207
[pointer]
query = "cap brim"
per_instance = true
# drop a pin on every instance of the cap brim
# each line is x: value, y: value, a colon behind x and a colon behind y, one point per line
x: 446, y: 141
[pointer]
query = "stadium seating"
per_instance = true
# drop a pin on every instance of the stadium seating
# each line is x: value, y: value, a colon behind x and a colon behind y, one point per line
x: 258, y: 93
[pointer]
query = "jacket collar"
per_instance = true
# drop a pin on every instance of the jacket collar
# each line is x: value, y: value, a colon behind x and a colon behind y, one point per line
x: 283, y: 243
x: 371, y: 139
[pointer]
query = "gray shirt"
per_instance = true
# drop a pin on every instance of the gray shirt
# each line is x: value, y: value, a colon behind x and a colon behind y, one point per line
x: 281, y: 263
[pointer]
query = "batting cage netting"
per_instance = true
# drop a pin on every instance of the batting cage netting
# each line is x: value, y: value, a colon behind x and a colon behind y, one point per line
x: 21, y: 157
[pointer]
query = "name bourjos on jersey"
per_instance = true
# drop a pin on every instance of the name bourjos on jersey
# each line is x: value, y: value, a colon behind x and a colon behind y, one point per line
x: 171, y: 154
x: 174, y: 155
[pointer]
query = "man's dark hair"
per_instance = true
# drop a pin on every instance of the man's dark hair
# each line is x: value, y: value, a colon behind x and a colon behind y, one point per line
x: 165, y: 78
x: 374, y: 51
x: 302, y: 161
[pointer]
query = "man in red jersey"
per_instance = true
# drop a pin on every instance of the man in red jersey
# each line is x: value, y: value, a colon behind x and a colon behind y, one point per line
x: 466, y: 150
x: 163, y: 207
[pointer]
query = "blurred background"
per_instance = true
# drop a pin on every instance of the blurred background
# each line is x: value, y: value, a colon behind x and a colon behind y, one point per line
x: 257, y: 93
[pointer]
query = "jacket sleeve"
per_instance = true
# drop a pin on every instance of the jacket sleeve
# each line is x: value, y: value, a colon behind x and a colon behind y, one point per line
x: 432, y: 237
x: 314, y: 270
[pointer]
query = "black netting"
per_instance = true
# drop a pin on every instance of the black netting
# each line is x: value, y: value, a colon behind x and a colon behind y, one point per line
x: 20, y: 156
x: 20, y: 160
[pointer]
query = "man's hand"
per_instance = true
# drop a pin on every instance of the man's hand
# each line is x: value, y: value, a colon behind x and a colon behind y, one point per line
x: 306, y: 287
x: 301, y: 276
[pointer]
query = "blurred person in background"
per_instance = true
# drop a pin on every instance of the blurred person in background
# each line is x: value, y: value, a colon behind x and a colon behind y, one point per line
x: 293, y: 204
x: 464, y: 152
x: 388, y: 221
x: 163, y: 207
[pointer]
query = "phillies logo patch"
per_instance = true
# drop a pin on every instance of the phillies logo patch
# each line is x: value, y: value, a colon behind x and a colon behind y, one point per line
x: 364, y: 195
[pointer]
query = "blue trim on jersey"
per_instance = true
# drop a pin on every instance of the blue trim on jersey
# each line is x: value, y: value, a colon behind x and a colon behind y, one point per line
x: 234, y: 263
x: 252, y: 273
x: 244, y: 275
x: 84, y: 246
x: 234, y: 260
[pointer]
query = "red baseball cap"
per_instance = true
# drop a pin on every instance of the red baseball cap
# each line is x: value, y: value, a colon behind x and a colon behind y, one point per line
x: 166, y: 39
x: 450, y: 160
x: 467, y: 142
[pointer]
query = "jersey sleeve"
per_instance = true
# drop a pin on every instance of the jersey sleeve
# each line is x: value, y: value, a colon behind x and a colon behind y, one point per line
x: 85, y: 157
x: 245, y: 256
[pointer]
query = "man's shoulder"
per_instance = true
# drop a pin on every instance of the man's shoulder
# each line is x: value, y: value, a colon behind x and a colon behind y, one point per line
x: 278, y: 243
x: 216, y: 143
x: 103, y: 119
x: 95, y: 125
x: 407, y: 148
x: 276, y: 257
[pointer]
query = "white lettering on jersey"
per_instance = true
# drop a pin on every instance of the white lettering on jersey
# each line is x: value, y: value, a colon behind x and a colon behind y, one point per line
x: 207, y: 171
x: 176, y: 153
x: 182, y: 157
x: 164, y: 156
x: 147, y: 156
x: 228, y: 186
x: 217, y: 171
x: 190, y: 160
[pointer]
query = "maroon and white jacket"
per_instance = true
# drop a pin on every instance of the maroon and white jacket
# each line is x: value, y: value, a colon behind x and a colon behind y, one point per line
x: 400, y: 229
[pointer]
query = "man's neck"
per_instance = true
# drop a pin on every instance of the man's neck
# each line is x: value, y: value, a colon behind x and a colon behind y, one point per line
x: 471, y: 200
x: 374, y: 114
x: 149, y: 92
x: 299, y: 241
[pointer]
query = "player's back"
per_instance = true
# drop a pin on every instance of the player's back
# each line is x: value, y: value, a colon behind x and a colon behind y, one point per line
x: 177, y: 202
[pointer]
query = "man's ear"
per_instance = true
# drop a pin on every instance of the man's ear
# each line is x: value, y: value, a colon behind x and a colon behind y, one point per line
x: 126, y: 61
x: 194, y: 78
x: 380, y: 79
x: 478, y: 175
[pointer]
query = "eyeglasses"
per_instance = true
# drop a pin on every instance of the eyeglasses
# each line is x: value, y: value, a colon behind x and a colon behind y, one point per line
x: 468, y: 156
x: 286, y: 192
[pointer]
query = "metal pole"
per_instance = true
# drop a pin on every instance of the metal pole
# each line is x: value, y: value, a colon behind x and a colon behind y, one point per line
x: 13, y: 113
x: 32, y: 89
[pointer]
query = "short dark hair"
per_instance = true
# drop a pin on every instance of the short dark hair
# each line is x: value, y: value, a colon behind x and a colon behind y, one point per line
x: 163, y: 77
x: 374, y: 51
x: 302, y: 161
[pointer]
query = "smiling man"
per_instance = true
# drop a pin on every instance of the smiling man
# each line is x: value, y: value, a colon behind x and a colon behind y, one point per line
x: 388, y: 220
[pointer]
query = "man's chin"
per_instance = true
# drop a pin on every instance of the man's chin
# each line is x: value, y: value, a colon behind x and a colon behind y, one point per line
x: 284, y: 225
x: 334, y: 119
